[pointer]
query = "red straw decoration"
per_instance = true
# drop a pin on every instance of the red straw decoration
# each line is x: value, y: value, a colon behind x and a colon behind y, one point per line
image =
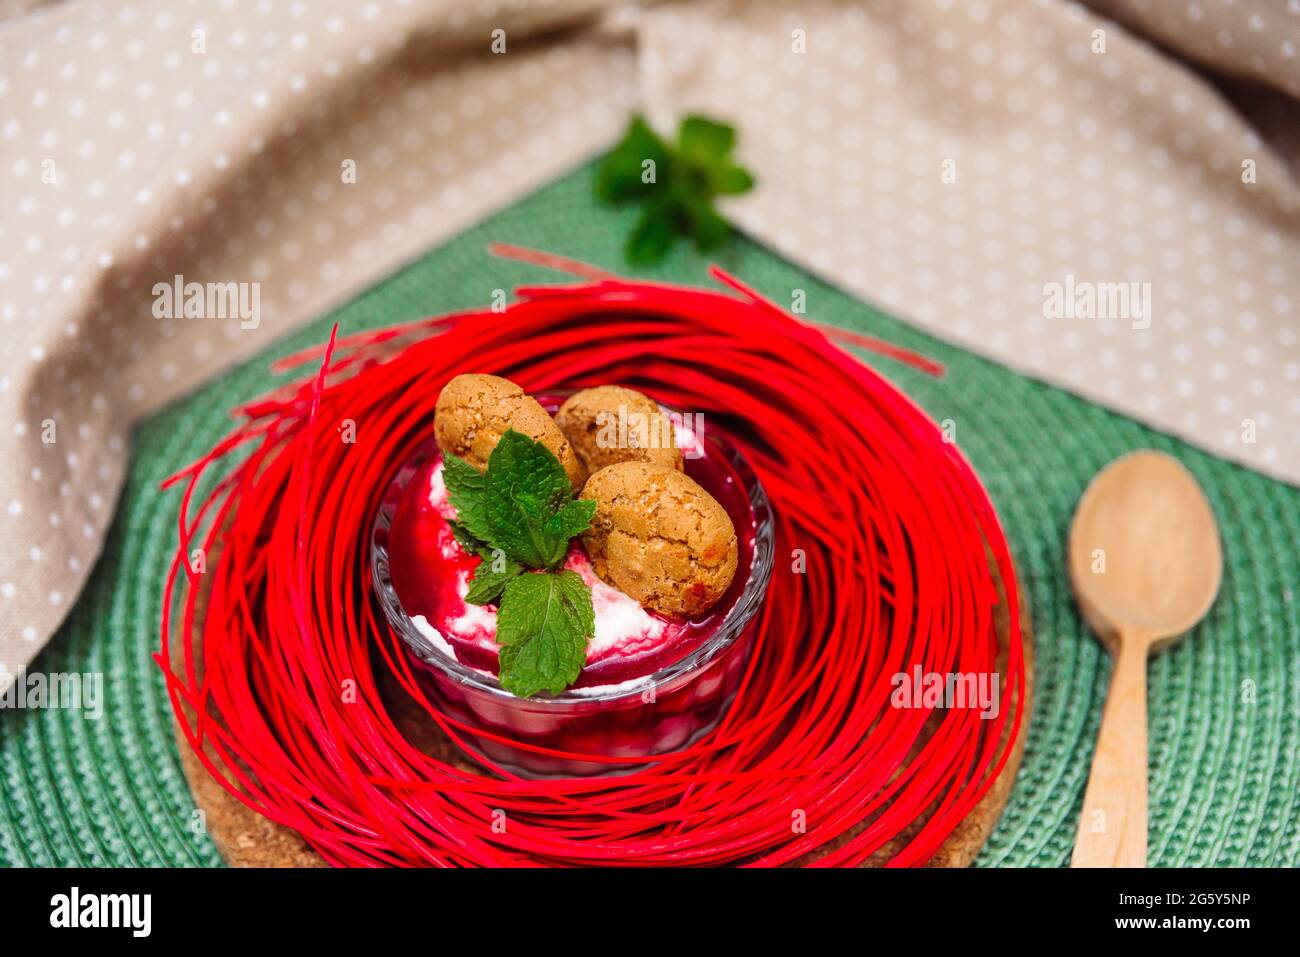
x: 892, y: 523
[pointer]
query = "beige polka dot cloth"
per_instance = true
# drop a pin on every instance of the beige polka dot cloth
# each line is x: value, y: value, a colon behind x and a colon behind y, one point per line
x: 1068, y: 195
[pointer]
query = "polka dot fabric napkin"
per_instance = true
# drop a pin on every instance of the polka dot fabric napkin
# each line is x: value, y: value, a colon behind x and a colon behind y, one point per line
x: 1032, y: 180
x: 296, y: 152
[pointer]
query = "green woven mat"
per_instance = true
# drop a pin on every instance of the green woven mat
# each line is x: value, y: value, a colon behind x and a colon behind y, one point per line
x: 1225, y: 703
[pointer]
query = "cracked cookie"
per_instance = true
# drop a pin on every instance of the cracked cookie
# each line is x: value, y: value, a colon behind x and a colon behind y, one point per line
x: 474, y: 411
x: 659, y: 537
x: 610, y: 423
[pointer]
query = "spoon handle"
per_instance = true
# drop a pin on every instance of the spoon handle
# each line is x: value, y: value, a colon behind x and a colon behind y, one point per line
x: 1113, y: 827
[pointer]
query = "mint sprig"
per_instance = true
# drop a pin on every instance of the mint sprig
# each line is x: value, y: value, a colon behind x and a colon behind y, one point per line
x: 491, y: 576
x: 519, y: 517
x: 675, y: 185
x: 543, y: 626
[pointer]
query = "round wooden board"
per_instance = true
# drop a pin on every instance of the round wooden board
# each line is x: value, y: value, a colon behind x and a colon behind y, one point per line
x: 246, y: 839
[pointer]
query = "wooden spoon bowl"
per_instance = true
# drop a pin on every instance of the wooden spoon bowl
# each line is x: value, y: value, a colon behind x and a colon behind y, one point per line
x: 1145, y: 563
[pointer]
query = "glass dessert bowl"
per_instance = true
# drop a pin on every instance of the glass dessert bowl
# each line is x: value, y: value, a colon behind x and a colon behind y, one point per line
x: 651, y: 684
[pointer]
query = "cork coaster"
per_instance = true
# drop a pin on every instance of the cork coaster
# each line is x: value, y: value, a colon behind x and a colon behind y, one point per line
x: 246, y: 839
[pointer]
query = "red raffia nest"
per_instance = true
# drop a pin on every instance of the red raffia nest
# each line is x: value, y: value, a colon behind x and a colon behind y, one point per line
x: 810, y: 757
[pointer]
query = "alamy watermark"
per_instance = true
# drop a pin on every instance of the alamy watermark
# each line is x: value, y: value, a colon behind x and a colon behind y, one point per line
x: 1080, y: 299
x: 626, y: 429
x: 209, y: 300
x: 64, y: 690
x: 78, y: 909
x: 964, y: 689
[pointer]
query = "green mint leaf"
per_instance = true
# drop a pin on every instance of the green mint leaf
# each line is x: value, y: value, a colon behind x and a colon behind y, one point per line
x: 525, y: 485
x: 653, y: 235
x: 465, y: 489
x: 690, y: 175
x: 521, y: 514
x: 704, y: 140
x: 460, y: 477
x: 491, y: 576
x: 623, y: 173
x: 708, y: 228
x: 731, y: 180
x: 520, y: 465
x: 571, y: 519
x: 463, y: 537
x: 543, y: 626
x: 519, y: 529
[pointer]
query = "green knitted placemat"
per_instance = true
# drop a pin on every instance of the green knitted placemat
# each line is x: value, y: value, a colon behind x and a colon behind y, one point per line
x: 1225, y: 702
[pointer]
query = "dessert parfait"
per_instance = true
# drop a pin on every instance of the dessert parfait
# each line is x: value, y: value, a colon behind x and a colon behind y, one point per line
x: 573, y: 574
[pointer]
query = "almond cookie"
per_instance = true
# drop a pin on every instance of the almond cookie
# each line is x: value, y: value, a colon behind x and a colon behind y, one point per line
x: 660, y: 538
x: 474, y: 411
x: 611, y: 424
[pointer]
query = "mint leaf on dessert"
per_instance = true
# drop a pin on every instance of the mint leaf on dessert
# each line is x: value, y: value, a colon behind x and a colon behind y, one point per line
x: 463, y: 537
x: 676, y: 185
x: 523, y: 505
x: 520, y: 514
x: 524, y: 487
x: 461, y: 478
x: 572, y: 518
x: 520, y: 466
x: 543, y: 626
x: 465, y: 490
x: 491, y: 576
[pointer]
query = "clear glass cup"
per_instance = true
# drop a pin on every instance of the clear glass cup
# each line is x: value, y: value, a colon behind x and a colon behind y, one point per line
x: 652, y: 714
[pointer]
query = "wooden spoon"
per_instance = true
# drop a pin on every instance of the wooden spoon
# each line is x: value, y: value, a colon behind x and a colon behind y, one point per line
x: 1145, y: 562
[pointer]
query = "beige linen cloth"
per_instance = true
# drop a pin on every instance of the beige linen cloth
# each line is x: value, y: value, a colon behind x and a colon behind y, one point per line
x: 953, y: 162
